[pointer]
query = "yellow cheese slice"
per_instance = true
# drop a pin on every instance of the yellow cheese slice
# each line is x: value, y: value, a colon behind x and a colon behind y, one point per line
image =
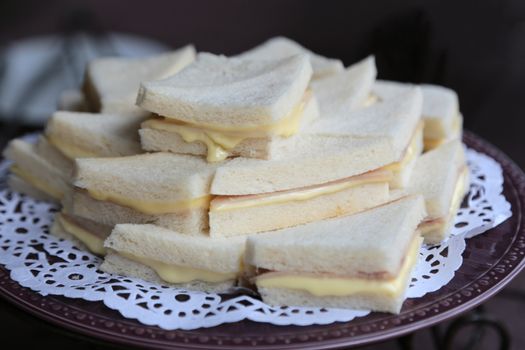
x: 152, y: 207
x: 94, y: 243
x: 69, y: 150
x: 220, y: 140
x: 36, y: 182
x: 342, y: 286
x: 181, y: 274
x: 239, y: 202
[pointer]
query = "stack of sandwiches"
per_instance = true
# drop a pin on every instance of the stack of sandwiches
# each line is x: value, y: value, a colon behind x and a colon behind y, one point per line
x: 99, y: 121
x: 206, y: 172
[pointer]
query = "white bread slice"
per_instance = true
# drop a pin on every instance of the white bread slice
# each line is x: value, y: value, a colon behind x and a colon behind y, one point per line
x: 149, y: 177
x: 17, y: 184
x: 275, y: 216
x: 191, y: 221
x: 303, y: 160
x: 229, y: 92
x: 36, y: 170
x: 435, y: 176
x: 261, y: 148
x: 78, y: 134
x: 370, y: 242
x: 72, y: 100
x: 281, y: 47
x: 111, y: 84
x: 395, y: 119
x: 172, y: 248
x: 119, y: 265
x: 347, y: 90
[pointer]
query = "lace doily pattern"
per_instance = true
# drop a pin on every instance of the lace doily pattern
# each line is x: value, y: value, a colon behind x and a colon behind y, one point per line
x: 52, y: 266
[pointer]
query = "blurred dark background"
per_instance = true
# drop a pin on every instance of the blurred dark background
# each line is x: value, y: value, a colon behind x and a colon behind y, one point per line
x: 474, y: 47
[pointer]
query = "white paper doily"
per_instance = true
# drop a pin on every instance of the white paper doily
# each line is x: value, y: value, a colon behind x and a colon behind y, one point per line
x: 49, y: 265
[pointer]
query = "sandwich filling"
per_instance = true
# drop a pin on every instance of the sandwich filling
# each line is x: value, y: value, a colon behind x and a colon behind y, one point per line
x: 333, y: 285
x: 181, y: 274
x: 36, y: 182
x: 221, y: 140
x: 149, y: 206
x: 224, y: 203
x: 69, y: 150
x: 433, y: 142
x: 431, y: 226
x: 411, y: 152
x: 93, y: 239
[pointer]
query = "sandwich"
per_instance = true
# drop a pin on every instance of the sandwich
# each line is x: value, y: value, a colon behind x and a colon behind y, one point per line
x: 281, y: 47
x: 443, y: 121
x: 442, y: 177
x: 396, y: 120
x: 222, y: 107
x: 165, y: 189
x: 111, y: 83
x: 159, y: 255
x: 362, y: 261
x: 85, y: 234
x: 44, y: 169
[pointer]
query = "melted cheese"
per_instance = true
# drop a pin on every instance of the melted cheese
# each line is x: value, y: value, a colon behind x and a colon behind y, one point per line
x: 152, y: 207
x: 37, y: 183
x: 410, y: 153
x: 439, y: 224
x: 69, y: 150
x: 342, y: 286
x: 221, y: 140
x: 181, y: 274
x: 232, y: 203
x: 93, y: 242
